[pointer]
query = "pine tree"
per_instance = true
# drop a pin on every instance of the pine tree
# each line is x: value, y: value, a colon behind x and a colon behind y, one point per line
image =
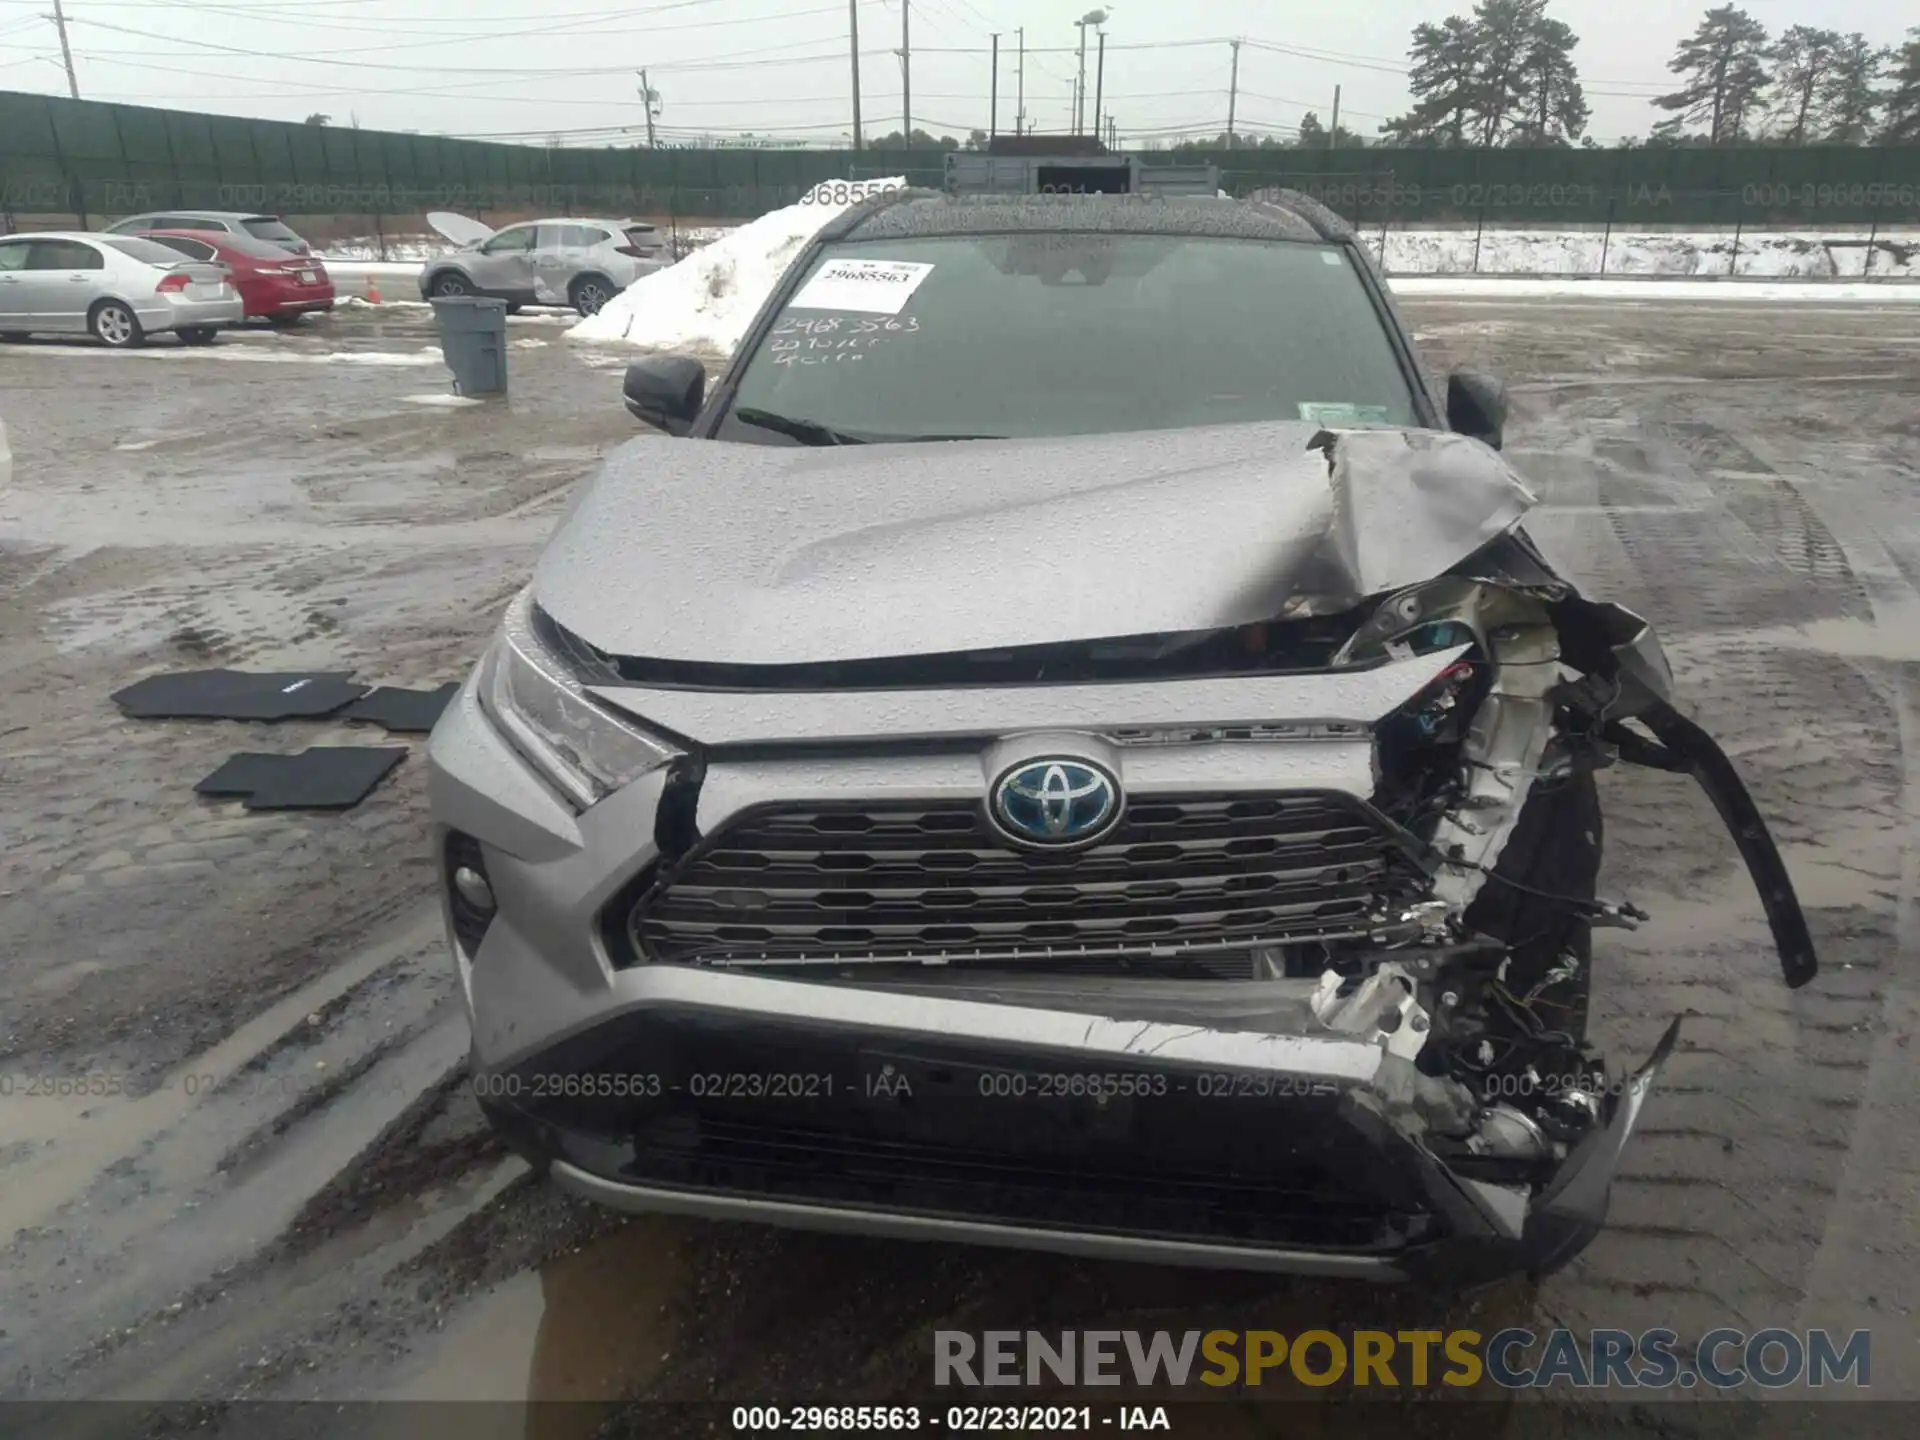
x: 1505, y: 73
x: 1725, y: 62
x: 1503, y: 35
x: 1442, y: 81
x: 1556, y: 106
x: 1851, y: 97
x: 1803, y: 62
x: 1903, y: 101
x: 1313, y: 134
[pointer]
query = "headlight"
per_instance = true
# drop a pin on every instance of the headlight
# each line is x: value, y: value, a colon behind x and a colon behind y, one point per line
x: 573, y: 740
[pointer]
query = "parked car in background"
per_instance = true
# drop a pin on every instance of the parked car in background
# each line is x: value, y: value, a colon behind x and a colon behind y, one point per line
x: 582, y: 263
x: 270, y: 228
x: 277, y: 287
x: 118, y: 288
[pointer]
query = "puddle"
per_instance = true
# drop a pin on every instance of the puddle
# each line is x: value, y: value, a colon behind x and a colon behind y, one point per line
x: 556, y: 1348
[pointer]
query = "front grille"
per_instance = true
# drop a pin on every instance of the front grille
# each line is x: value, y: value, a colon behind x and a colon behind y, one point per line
x: 1182, y: 875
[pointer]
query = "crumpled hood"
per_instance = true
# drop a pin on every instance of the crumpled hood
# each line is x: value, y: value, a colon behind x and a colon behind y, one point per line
x: 695, y: 550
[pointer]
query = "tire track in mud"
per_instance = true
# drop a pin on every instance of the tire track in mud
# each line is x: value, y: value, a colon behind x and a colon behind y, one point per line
x: 1868, y: 1244
x: 1724, y: 1198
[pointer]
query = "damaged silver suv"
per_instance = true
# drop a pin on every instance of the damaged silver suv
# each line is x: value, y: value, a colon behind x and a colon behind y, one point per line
x: 1068, y: 744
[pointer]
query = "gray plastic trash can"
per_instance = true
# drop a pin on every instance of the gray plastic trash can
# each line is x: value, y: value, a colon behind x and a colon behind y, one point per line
x: 473, y: 338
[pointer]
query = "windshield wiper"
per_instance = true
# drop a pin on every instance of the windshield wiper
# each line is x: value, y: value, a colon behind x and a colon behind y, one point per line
x: 807, y: 432
x: 812, y: 432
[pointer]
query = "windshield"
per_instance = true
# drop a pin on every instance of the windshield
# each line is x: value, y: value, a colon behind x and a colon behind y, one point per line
x: 271, y: 230
x: 1063, y: 334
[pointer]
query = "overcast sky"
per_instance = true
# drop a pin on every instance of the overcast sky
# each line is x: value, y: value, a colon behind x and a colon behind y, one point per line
x: 515, y: 69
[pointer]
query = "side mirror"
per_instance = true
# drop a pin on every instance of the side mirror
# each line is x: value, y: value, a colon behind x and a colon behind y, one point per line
x: 666, y: 390
x: 1477, y: 406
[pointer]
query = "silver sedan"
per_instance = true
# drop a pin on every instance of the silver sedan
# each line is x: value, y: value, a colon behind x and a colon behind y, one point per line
x: 118, y: 288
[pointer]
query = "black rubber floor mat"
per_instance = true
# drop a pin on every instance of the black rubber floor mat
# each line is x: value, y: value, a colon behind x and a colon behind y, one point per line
x: 241, y: 775
x: 324, y: 777
x: 402, y: 712
x: 238, y: 695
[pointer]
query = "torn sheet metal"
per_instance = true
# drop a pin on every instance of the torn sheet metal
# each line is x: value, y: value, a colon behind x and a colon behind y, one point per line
x: 1408, y: 504
x: 1504, y: 749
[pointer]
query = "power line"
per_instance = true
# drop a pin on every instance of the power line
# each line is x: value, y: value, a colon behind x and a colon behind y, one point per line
x: 747, y: 57
x: 470, y: 37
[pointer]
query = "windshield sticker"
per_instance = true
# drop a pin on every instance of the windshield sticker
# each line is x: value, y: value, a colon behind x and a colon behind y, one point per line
x: 797, y: 341
x: 878, y: 287
x: 1329, y: 412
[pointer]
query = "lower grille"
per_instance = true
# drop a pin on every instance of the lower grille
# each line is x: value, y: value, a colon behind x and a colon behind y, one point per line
x: 1185, y: 875
x: 1315, y: 1208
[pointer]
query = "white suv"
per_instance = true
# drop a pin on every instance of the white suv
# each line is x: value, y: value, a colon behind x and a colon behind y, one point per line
x: 582, y: 263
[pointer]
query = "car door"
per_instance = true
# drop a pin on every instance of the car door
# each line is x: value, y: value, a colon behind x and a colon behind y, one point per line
x: 558, y: 256
x: 63, y: 278
x: 13, y: 285
x: 504, y: 265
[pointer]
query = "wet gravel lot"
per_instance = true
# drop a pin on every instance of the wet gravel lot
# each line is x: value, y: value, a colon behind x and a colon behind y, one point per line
x: 269, y: 1182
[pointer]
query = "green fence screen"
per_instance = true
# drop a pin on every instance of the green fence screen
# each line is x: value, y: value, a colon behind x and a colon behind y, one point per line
x: 97, y: 162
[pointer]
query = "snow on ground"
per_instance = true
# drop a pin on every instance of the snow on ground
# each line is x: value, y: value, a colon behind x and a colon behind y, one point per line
x: 1780, y: 254
x: 1507, y: 287
x: 708, y: 299
x: 1836, y: 253
x: 252, y: 354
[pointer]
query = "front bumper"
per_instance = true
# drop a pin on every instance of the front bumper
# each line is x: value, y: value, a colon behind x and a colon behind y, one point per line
x: 1207, y: 1123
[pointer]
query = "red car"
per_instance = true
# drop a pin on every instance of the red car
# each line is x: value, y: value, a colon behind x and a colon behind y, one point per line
x: 277, y: 286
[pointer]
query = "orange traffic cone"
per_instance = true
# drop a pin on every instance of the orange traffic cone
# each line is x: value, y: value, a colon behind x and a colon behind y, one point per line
x: 373, y: 290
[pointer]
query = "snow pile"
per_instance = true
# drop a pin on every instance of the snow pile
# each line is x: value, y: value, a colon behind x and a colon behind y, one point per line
x: 706, y: 301
x: 1774, y: 254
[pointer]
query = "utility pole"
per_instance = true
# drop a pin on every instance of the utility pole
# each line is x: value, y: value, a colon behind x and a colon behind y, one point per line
x: 1099, y: 87
x: 1080, y: 83
x: 993, y: 93
x: 1233, y: 93
x: 853, y: 48
x: 1020, y: 100
x: 66, y: 51
x: 1333, y: 131
x: 647, y: 99
x: 906, y: 78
